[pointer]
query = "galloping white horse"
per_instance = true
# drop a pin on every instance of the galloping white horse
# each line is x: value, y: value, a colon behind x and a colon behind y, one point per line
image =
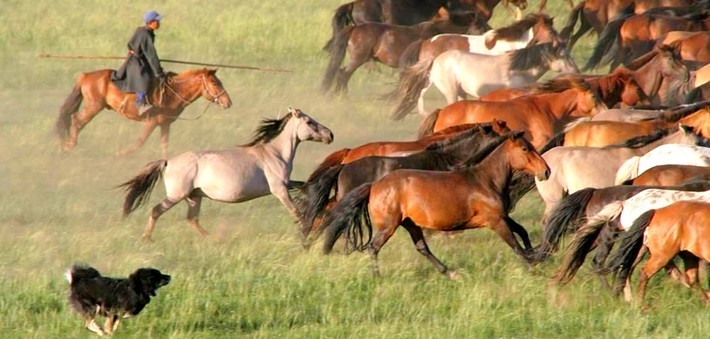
x: 250, y: 171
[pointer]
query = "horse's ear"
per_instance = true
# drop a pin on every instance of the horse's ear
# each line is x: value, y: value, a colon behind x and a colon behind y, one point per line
x: 491, y: 40
x: 516, y: 134
x: 212, y: 71
x: 295, y: 112
x: 686, y: 129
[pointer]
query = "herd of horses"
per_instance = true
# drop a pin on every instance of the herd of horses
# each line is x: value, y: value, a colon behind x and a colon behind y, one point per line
x: 618, y: 158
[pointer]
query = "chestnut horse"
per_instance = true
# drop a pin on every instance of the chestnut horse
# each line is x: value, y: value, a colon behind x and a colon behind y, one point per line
x: 170, y: 100
x: 533, y: 29
x: 605, y: 133
x: 541, y: 116
x: 668, y: 175
x: 343, y: 178
x: 470, y: 197
x: 384, y: 43
x: 682, y: 228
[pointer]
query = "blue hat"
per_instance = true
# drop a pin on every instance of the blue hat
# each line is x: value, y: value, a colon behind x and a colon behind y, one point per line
x: 151, y: 16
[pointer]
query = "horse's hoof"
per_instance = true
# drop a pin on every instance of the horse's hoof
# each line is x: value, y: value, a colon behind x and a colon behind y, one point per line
x: 451, y: 274
x: 147, y: 239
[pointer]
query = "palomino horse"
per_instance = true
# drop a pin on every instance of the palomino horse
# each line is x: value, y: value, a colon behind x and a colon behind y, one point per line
x: 626, y: 211
x: 615, y: 88
x: 384, y: 43
x: 540, y: 115
x: 470, y: 197
x: 629, y: 33
x: 668, y: 175
x: 579, y: 206
x: 172, y: 98
x: 575, y: 168
x: 250, y: 171
x: 663, y: 155
x: 343, y: 178
x: 682, y: 228
x: 606, y: 133
x: 456, y: 73
x: 533, y: 29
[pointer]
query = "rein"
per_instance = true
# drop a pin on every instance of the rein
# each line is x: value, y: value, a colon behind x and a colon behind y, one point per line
x: 213, y: 100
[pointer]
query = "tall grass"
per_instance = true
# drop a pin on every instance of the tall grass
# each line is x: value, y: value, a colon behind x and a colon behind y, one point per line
x: 251, y: 277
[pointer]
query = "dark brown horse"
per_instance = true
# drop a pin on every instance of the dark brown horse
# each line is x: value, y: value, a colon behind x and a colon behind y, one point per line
x: 408, y: 12
x: 470, y: 197
x: 171, y: 99
x: 634, y: 32
x: 343, y: 178
x: 541, y: 116
x: 383, y: 43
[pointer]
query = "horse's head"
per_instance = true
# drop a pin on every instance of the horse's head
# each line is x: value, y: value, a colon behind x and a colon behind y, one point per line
x: 688, y: 136
x: 500, y: 126
x: 545, y: 32
x: 631, y: 93
x: 700, y: 121
x: 212, y: 89
x: 522, y: 4
x: 670, y: 62
x: 588, y: 102
x: 523, y: 157
x: 308, y: 128
x: 560, y: 59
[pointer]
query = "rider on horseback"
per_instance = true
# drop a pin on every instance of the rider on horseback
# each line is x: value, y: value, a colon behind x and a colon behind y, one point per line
x: 142, y: 64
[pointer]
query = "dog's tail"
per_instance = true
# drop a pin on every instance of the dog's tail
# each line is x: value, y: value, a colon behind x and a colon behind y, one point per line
x: 81, y: 272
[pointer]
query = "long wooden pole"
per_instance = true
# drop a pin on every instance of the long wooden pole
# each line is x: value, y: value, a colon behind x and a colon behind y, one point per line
x: 112, y: 57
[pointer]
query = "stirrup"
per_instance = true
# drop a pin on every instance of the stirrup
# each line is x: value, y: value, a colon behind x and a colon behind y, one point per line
x: 143, y: 108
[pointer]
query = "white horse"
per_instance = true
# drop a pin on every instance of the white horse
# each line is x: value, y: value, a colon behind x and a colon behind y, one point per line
x: 250, y: 171
x: 663, y: 155
x: 456, y: 73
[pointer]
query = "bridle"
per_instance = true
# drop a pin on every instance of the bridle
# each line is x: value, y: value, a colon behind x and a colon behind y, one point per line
x: 213, y: 98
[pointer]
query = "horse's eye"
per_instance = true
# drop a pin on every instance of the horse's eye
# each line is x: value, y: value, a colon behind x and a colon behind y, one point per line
x: 525, y: 149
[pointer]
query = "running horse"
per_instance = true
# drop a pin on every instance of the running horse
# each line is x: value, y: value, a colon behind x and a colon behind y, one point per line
x: 470, y: 197
x: 250, y: 171
x: 170, y: 99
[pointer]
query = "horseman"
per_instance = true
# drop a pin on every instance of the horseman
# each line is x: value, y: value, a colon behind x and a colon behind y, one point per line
x: 142, y: 64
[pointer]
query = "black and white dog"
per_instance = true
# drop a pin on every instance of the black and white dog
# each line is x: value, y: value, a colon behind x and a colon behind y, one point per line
x: 93, y: 295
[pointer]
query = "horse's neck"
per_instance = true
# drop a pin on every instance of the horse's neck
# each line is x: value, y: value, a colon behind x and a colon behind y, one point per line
x: 185, y: 91
x: 494, y: 169
x: 649, y: 79
x: 556, y: 105
x: 282, y: 148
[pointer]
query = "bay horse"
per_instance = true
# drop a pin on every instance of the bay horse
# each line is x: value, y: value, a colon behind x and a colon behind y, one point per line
x: 380, y: 42
x: 622, y: 213
x: 682, y: 228
x: 573, y: 210
x: 531, y: 30
x: 250, y: 171
x: 632, y: 32
x: 456, y: 73
x: 541, y: 116
x: 407, y: 12
x: 469, y: 197
x: 664, y: 155
x: 170, y: 100
x: 606, y: 133
x: 575, y: 168
x: 668, y: 175
x: 343, y: 178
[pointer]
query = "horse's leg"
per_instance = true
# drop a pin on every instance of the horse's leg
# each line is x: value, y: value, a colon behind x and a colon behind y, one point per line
x: 78, y: 121
x: 93, y: 326
x: 382, y: 234
x: 164, y: 139
x: 420, y: 101
x: 194, y: 202
x: 692, y: 265
x: 520, y: 231
x: 676, y: 274
x: 155, y: 213
x: 356, y: 60
x: 418, y: 238
x: 502, y: 228
x: 605, y: 242
x: 147, y: 130
x: 653, y: 265
x: 279, y: 189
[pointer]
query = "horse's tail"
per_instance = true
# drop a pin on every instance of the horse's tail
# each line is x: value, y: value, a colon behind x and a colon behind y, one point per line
x: 426, y: 128
x: 628, y: 170
x: 557, y: 140
x: 583, y: 242
x: 622, y: 262
x: 69, y: 107
x: 574, y: 15
x: 412, y: 82
x: 563, y: 219
x: 348, y: 216
x: 410, y: 56
x: 342, y: 17
x: 337, y: 54
x: 608, y: 43
x: 138, y: 189
x: 316, y: 193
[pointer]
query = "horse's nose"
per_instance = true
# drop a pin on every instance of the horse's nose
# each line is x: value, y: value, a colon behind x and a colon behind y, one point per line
x: 330, y: 137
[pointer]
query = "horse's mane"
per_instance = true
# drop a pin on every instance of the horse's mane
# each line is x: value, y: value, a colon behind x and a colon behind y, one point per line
x: 268, y: 130
x: 486, y: 151
x: 444, y: 145
x: 680, y: 114
x: 515, y: 30
x: 562, y: 84
x: 530, y: 57
x: 643, y: 140
x: 458, y: 128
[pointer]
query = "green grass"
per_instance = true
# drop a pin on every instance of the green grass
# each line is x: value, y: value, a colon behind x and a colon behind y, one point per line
x: 251, y: 278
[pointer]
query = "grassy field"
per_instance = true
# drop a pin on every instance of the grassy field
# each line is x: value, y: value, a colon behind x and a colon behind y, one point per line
x: 251, y: 278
